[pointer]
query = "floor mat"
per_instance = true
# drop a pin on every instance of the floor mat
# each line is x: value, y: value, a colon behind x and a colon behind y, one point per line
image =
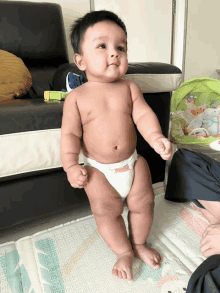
x: 74, y: 258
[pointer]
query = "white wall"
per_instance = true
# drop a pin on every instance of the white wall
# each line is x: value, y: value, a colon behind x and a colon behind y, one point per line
x: 149, y: 27
x: 202, y: 39
x: 72, y: 10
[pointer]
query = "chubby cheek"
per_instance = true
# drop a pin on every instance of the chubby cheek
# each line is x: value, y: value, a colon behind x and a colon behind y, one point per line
x: 124, y: 59
x: 95, y: 64
x: 98, y: 60
x: 125, y: 65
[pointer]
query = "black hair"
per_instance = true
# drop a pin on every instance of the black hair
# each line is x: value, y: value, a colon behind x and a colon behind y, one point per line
x: 79, y: 27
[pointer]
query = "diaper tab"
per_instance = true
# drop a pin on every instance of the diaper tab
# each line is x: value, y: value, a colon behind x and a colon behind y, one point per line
x: 123, y: 169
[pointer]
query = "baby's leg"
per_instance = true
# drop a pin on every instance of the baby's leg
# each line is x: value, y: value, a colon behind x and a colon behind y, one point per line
x: 107, y: 208
x: 140, y: 202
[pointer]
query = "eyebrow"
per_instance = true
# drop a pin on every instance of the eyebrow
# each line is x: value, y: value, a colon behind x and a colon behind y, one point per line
x: 103, y: 37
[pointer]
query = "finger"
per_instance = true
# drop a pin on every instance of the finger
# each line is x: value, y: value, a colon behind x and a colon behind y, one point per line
x: 159, y: 147
x: 207, y: 231
x: 214, y: 226
x: 81, y: 184
x: 204, y: 240
x: 165, y: 157
x: 162, y: 146
x: 82, y: 181
x: 84, y: 171
x: 83, y: 178
x: 77, y: 185
x: 204, y: 233
x: 209, y: 252
x: 205, y: 247
x: 167, y: 145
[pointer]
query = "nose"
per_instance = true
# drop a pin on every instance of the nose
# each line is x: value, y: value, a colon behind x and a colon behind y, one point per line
x: 114, y: 53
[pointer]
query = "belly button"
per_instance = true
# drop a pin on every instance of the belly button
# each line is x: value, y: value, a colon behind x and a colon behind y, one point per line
x: 116, y: 147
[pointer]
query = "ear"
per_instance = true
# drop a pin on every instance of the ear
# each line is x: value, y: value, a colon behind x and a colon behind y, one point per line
x: 78, y: 60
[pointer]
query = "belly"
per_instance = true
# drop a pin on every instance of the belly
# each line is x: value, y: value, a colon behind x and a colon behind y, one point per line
x: 109, y: 139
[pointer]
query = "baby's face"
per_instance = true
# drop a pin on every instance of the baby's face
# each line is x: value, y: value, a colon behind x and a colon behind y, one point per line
x: 104, y: 52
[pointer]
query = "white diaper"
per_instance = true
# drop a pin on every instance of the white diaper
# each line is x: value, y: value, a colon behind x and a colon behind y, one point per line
x: 119, y: 175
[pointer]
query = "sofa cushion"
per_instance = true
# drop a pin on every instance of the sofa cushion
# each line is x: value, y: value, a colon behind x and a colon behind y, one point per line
x: 29, y: 152
x: 30, y: 139
x: 34, y: 32
x: 15, y: 78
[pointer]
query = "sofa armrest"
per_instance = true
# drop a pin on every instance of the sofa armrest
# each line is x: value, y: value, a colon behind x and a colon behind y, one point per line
x: 152, y: 77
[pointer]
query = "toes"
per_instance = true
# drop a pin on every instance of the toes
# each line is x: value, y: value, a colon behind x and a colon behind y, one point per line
x: 129, y: 276
x: 124, y: 275
x: 115, y: 273
x: 157, y: 259
x: 155, y: 264
x: 120, y: 274
x: 156, y: 267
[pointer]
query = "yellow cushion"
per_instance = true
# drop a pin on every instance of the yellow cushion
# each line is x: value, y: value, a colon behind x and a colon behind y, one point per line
x: 15, y: 78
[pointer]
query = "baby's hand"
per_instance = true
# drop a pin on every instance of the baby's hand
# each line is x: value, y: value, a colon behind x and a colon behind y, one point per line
x: 163, y: 147
x: 77, y: 176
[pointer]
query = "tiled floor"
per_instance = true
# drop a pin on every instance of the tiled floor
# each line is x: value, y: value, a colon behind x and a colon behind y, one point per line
x: 23, y: 230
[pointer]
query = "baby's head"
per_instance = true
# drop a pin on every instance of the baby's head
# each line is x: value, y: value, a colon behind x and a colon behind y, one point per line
x: 99, y: 41
x: 81, y: 25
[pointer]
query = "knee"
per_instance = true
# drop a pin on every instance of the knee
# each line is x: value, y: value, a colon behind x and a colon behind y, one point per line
x: 108, y: 209
x: 142, y: 205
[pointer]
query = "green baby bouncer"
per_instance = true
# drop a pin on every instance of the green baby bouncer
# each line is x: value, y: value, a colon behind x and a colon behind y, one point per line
x: 195, y: 113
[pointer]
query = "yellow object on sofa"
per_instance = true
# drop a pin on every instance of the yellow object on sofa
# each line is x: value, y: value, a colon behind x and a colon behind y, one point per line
x: 15, y: 78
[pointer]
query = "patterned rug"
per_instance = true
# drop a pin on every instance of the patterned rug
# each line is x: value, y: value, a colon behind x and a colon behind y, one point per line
x: 74, y: 258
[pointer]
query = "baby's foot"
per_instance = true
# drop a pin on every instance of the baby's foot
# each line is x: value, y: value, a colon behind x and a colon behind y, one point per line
x: 149, y: 255
x: 123, y: 267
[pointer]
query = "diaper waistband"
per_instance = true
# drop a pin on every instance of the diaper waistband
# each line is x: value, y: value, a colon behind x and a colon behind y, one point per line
x: 111, y: 166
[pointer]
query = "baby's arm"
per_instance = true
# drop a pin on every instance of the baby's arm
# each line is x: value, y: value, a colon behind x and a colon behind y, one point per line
x: 148, y: 124
x: 70, y: 144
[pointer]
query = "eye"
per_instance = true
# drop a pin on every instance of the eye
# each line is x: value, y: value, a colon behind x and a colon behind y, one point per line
x: 121, y: 48
x: 102, y: 46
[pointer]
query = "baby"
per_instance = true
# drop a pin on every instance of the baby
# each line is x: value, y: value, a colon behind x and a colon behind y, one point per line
x: 101, y: 112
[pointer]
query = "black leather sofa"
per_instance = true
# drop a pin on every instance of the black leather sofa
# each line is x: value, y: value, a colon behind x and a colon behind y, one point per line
x: 32, y: 181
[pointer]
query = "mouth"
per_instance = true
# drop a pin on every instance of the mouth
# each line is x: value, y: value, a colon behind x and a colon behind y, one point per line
x: 114, y: 64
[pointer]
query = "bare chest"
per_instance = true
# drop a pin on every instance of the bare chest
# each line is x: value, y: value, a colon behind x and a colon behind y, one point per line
x: 98, y: 103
